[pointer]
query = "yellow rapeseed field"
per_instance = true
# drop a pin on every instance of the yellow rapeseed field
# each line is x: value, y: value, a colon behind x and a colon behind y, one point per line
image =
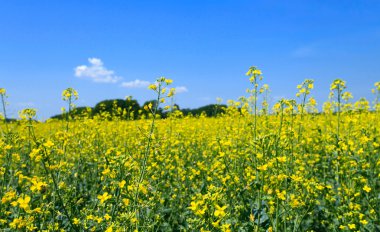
x: 254, y: 167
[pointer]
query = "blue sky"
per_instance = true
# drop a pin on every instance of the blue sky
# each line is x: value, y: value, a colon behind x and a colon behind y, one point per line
x: 204, y: 46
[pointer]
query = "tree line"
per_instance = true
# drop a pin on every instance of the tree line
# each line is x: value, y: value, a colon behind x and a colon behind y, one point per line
x: 130, y: 109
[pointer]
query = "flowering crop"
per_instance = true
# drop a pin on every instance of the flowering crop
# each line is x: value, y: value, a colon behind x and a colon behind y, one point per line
x: 247, y: 169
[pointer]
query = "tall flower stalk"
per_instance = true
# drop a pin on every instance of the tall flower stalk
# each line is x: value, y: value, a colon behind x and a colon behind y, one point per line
x: 303, y: 91
x: 255, y: 76
x: 336, y: 90
x: 29, y: 115
x: 69, y: 95
x: 160, y: 89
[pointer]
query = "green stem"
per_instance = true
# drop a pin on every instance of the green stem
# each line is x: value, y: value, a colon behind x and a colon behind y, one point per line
x: 56, y: 189
x: 147, y: 151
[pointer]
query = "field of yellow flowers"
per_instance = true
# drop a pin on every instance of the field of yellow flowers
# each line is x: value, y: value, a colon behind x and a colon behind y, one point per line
x: 251, y: 168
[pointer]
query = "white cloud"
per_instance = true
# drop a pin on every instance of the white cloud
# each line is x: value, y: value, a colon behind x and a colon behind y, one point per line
x: 96, y: 72
x: 135, y: 84
x: 181, y: 89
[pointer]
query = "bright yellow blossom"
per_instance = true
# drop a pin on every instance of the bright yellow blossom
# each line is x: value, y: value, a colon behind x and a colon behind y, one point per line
x: 367, y: 188
x: 219, y: 211
x: 104, y: 197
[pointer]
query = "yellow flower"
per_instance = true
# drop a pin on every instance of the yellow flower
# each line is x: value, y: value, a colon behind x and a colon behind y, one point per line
x: 294, y: 203
x: 367, y: 188
x: 76, y: 221
x: 319, y: 187
x: 259, y: 155
x: 364, y: 222
x: 215, y: 224
x: 107, y: 216
x: 48, y: 144
x: 106, y: 171
x: 37, y: 185
x: 27, y: 114
x: 257, y: 72
x: 201, y: 211
x: 226, y: 228
x: 168, y: 81
x: 18, y: 223
x: 99, y: 219
x: 152, y: 87
x: 143, y: 189
x: 8, y: 196
x: 122, y: 183
x: 24, y: 202
x: 61, y: 185
x: 69, y: 94
x: 35, y: 155
x: 104, y: 197
x: 263, y: 167
x: 281, y: 159
x: 219, y: 211
x: 281, y: 195
x: 126, y: 201
x: 193, y: 206
x: 352, y: 226
x: 37, y: 210
x: 171, y: 92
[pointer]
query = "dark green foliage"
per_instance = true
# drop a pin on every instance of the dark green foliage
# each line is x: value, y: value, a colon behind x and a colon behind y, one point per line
x: 130, y: 109
x: 127, y: 109
x: 211, y: 110
x: 78, y: 112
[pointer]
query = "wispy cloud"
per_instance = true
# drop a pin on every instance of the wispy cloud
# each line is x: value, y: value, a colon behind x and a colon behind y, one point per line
x: 135, y: 84
x: 181, y: 89
x: 25, y: 104
x: 96, y: 72
x: 143, y: 84
x: 303, y: 52
x: 205, y: 99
